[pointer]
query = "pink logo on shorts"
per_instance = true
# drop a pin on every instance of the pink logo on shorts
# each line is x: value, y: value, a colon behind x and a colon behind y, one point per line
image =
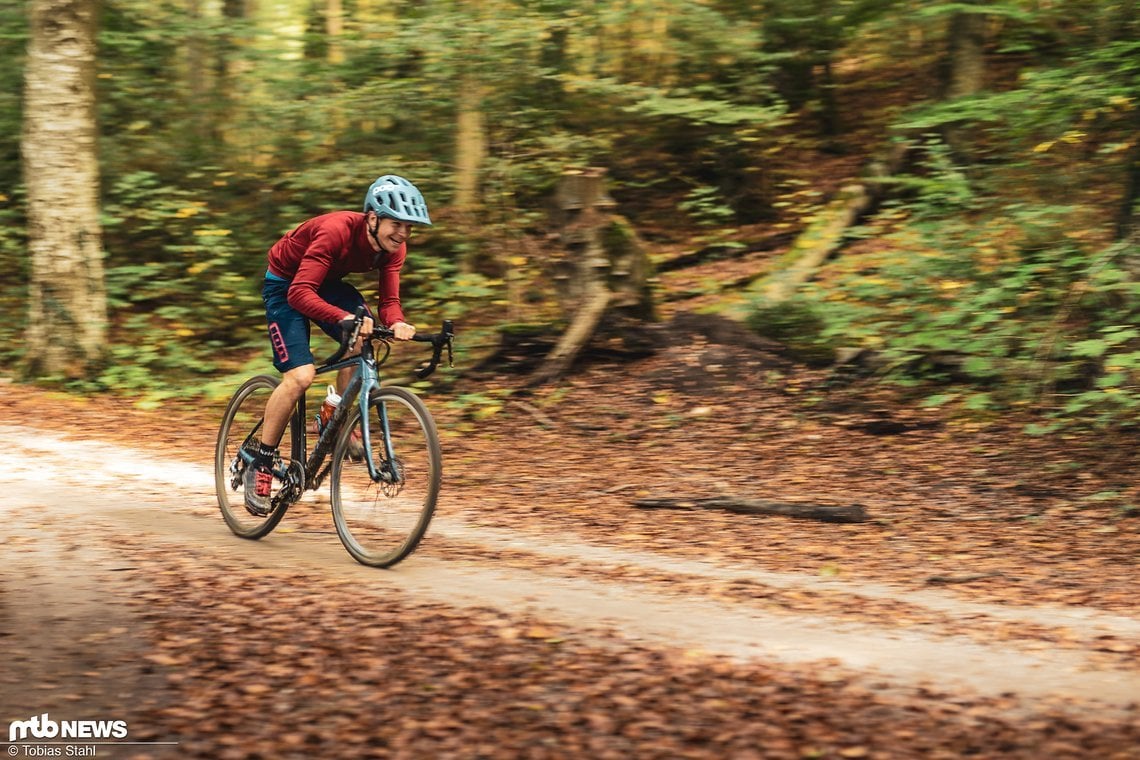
x: 278, y: 341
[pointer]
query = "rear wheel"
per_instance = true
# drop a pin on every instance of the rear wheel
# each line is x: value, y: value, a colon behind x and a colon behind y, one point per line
x: 241, y: 423
x: 382, y: 522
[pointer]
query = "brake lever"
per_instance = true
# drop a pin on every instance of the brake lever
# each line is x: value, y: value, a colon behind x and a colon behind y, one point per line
x: 350, y: 340
x: 352, y: 336
x: 449, y: 335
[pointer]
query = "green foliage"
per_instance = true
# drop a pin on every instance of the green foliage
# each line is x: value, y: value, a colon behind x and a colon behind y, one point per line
x: 434, y: 286
x: 1050, y: 321
x: 13, y: 288
x: 13, y: 40
x: 1039, y: 323
x: 476, y: 407
x: 988, y: 286
x: 1048, y: 125
x: 13, y: 250
x: 942, y: 187
x: 179, y: 285
x: 694, y: 108
x: 706, y: 206
x: 800, y: 324
x: 942, y: 10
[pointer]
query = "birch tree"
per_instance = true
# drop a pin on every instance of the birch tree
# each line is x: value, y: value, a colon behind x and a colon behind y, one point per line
x: 67, y: 299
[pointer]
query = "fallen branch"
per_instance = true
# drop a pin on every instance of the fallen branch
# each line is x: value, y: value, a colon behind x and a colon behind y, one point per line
x: 822, y: 512
x: 828, y: 232
x: 941, y: 580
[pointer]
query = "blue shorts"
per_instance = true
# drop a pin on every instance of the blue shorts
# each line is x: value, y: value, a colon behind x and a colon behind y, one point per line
x: 289, y: 330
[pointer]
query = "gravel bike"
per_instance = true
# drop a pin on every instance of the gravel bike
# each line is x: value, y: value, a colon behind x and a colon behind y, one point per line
x: 385, y: 466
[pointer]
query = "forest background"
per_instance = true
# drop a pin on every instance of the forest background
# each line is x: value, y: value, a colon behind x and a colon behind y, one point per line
x: 982, y: 159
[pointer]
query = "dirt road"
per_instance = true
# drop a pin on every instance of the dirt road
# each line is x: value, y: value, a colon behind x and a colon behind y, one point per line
x: 113, y: 558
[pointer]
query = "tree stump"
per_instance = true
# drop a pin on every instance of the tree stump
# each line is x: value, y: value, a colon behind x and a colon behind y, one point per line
x: 602, y: 270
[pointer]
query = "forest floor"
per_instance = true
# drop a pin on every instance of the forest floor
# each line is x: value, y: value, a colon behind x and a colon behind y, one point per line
x: 547, y: 615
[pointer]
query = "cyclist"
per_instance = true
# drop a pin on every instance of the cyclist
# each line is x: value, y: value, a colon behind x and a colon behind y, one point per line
x: 304, y: 282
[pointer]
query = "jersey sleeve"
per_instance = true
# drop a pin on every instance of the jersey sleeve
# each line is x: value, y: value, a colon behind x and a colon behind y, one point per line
x: 312, y: 271
x: 389, y: 287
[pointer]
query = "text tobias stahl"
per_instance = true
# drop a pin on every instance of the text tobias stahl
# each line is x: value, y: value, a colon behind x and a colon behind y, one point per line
x: 52, y: 750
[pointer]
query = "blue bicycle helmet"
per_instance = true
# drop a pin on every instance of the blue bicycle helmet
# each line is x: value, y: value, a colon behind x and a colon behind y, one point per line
x: 396, y: 197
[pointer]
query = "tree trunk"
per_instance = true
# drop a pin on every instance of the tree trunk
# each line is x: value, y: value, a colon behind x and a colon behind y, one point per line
x: 966, y: 67
x: 196, y: 71
x: 470, y: 154
x: 966, y: 51
x: 1126, y: 225
x: 334, y: 30
x: 821, y: 239
x: 67, y: 305
x: 229, y: 67
x: 830, y: 123
x: 470, y: 147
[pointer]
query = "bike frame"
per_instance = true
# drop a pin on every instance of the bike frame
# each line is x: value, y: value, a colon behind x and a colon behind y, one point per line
x: 359, y: 390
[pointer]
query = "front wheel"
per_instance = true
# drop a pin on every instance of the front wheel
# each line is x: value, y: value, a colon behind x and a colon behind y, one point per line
x: 382, y: 522
x: 241, y: 423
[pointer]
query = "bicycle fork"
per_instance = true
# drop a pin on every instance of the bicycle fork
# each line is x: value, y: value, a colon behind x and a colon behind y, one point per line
x: 358, y: 392
x: 388, y: 472
x: 391, y: 473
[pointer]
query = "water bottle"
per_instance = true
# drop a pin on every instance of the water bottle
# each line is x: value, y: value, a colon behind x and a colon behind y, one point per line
x: 332, y: 398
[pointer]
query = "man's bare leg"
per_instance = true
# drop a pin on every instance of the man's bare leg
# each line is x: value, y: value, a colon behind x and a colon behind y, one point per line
x: 283, y: 400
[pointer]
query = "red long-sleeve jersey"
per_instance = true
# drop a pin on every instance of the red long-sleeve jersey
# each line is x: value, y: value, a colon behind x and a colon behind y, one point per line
x: 328, y: 247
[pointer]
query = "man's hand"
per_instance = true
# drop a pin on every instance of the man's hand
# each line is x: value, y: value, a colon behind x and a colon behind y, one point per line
x: 403, y: 331
x: 346, y: 323
x: 346, y: 326
x: 365, y: 329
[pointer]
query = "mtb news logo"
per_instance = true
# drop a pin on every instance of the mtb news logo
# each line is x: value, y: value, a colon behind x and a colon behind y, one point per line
x: 43, y: 727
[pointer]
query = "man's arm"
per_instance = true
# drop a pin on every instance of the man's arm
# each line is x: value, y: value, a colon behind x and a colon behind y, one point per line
x: 311, y: 274
x: 390, y: 311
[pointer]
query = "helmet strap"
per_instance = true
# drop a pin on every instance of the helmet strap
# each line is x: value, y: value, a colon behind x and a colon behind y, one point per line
x: 372, y: 233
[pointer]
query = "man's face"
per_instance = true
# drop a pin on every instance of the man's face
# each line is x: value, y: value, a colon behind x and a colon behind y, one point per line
x: 390, y: 233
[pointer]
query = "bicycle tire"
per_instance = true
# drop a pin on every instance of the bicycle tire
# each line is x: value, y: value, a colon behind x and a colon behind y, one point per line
x: 380, y: 524
x: 242, y: 415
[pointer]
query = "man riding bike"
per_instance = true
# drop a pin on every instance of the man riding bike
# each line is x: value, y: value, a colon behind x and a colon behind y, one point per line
x: 304, y: 281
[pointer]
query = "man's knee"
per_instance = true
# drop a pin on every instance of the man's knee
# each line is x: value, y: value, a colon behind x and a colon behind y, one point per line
x: 300, y: 378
